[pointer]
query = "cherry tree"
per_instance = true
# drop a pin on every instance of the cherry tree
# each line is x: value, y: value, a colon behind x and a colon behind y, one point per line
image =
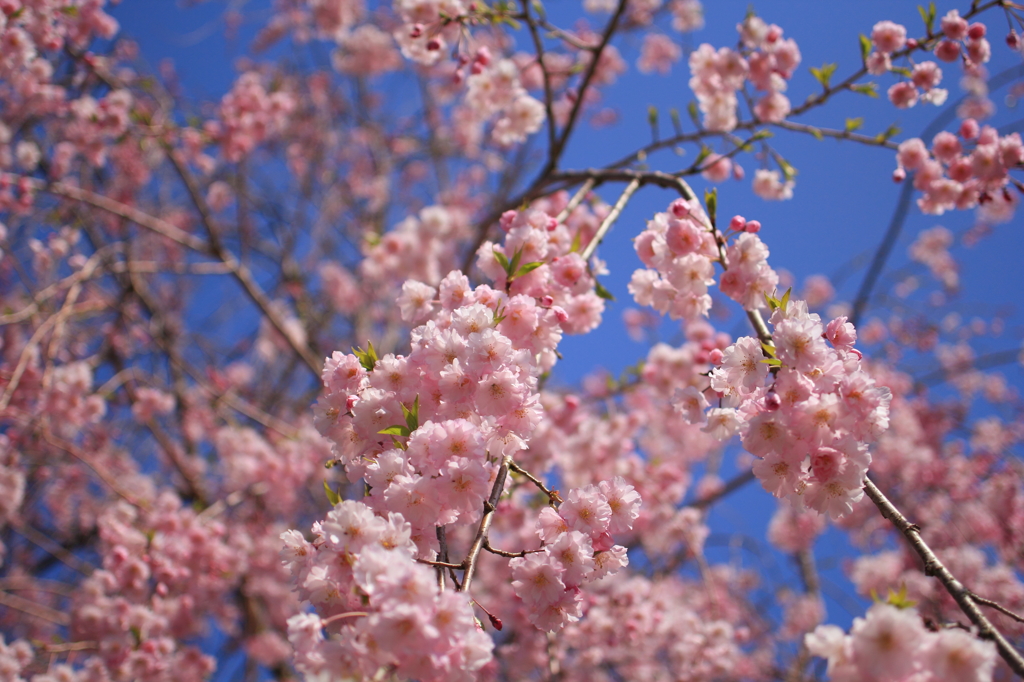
x: 280, y: 385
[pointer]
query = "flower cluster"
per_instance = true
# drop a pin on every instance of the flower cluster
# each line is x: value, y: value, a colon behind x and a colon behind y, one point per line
x: 378, y: 606
x: 248, y: 116
x: 892, y: 643
x: 810, y: 417
x: 680, y: 249
x: 952, y: 175
x: 578, y: 549
x: 495, y: 92
x: 717, y: 75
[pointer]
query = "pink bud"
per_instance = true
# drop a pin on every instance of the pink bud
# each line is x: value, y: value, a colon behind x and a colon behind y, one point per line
x: 547, y: 301
x: 679, y: 208
x: 947, y: 51
x: 572, y: 402
x: 976, y: 31
x: 560, y: 314
x: 416, y: 31
x: 753, y: 226
x: 350, y: 402
x: 899, y: 175
x: 1013, y: 40
x: 737, y: 223
x: 969, y: 129
x: 433, y: 45
x: 772, y: 401
x: 773, y: 34
x: 912, y: 43
x: 716, y: 356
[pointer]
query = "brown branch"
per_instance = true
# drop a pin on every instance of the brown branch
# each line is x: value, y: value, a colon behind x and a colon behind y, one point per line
x: 490, y: 506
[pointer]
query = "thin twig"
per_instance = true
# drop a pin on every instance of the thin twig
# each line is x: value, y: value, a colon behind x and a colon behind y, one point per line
x: 610, y: 219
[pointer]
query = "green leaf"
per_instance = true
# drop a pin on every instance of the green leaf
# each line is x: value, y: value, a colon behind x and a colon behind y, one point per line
x: 70, y: 10
x: 773, y: 303
x: 928, y: 16
x: 903, y: 71
x: 691, y: 109
x: 602, y: 292
x: 397, y: 430
x: 788, y: 172
x: 577, y: 243
x: 768, y: 349
x: 529, y: 267
x: 711, y: 201
x: 854, y: 124
x: 888, y: 133
x: 514, y: 263
x: 705, y: 152
x: 538, y: 7
x: 824, y: 74
x: 412, y: 416
x: 785, y: 298
x: 332, y: 497
x: 865, y: 46
x: 367, y: 358
x: 772, y: 362
x: 869, y: 89
x: 816, y: 134
x: 677, y: 124
x: 502, y: 259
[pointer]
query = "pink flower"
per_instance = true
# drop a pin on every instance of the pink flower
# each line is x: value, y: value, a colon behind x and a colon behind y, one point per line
x: 537, y: 580
x: 888, y: 36
x: 887, y: 643
x: 575, y: 553
x: 691, y: 403
x: 768, y: 185
x: 658, y: 53
x: 742, y: 367
x: 586, y: 510
x: 716, y: 168
x: 959, y: 656
x: 624, y: 502
x: 953, y: 25
x: 903, y: 95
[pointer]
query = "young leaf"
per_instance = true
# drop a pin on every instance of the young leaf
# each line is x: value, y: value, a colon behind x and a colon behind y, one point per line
x: 502, y: 260
x: 397, y: 430
x: 854, y: 124
x: 865, y: 46
x: 785, y: 298
x: 514, y: 263
x: 332, y: 497
x: 711, y: 201
x: 691, y: 109
x: 529, y: 267
x: 824, y: 74
x: 602, y: 292
x: 367, y: 358
x: 928, y: 16
x: 677, y: 125
x: 412, y: 416
x: 772, y: 362
x: 768, y: 349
